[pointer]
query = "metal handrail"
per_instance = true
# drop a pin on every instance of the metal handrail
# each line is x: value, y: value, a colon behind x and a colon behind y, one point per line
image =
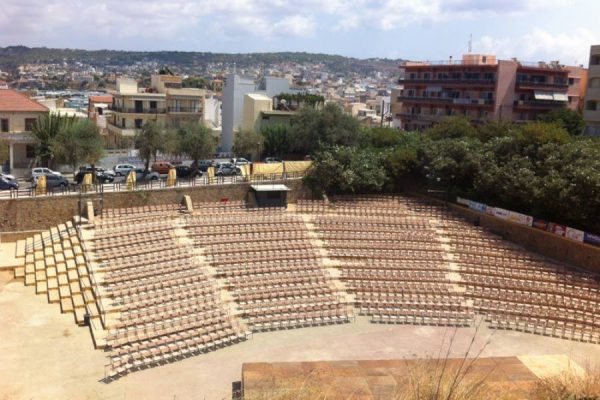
x: 98, y: 188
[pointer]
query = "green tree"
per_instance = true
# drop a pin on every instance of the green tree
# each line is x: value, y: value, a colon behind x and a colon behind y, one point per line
x: 452, y: 163
x: 150, y: 140
x: 45, y: 130
x: 196, y: 141
x: 4, y: 151
x: 569, y: 119
x: 78, y: 142
x: 313, y: 130
x: 494, y: 129
x: 385, y: 137
x: 345, y: 169
x: 451, y: 128
x: 248, y: 143
x: 276, y: 139
x: 403, y: 160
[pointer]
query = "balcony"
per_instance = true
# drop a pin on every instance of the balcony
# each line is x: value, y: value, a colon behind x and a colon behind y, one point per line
x: 539, y: 84
x: 537, y: 104
x: 117, y: 130
x: 136, y: 110
x: 447, y: 100
x: 189, y: 110
x: 447, y: 81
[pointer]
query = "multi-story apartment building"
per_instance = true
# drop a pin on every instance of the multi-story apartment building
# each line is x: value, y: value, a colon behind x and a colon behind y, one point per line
x: 18, y: 115
x: 165, y: 102
x: 591, y: 111
x: 482, y: 88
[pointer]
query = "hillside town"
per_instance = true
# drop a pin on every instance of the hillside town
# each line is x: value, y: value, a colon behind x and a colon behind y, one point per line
x: 227, y: 98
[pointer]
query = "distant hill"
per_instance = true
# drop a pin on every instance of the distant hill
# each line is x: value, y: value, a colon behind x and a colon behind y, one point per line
x: 13, y: 56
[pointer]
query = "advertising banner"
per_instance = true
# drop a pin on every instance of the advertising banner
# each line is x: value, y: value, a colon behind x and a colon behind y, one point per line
x: 540, y: 224
x: 591, y: 239
x: 574, y: 234
x: 490, y: 210
x: 464, y: 202
x: 557, y: 229
x: 501, y: 213
x: 477, y: 206
x: 520, y: 218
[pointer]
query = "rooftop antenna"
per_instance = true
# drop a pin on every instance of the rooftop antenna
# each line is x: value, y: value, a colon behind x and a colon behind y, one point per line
x: 470, y: 43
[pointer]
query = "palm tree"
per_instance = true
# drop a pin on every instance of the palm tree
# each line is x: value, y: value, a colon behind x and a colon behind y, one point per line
x: 45, y: 130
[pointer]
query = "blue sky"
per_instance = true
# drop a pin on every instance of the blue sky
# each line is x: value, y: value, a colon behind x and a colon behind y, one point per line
x: 532, y: 30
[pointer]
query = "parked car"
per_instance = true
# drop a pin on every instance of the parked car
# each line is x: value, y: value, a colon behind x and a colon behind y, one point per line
x: 203, y: 165
x: 149, y: 176
x: 272, y: 160
x: 53, y: 181
x: 162, y: 167
x: 102, y: 175
x: 239, y: 161
x: 187, y: 171
x: 228, y: 169
x: 7, y: 177
x: 7, y: 184
x: 39, y: 171
x: 122, y: 169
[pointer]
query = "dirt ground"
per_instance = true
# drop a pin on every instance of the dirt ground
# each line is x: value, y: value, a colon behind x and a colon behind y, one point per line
x: 44, y: 355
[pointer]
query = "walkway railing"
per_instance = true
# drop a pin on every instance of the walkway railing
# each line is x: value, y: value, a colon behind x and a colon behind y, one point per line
x: 98, y: 188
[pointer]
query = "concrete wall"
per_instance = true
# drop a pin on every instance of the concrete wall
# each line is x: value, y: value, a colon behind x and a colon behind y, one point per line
x: 542, y: 242
x: 39, y: 213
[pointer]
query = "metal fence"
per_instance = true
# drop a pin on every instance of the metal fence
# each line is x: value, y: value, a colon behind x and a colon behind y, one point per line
x: 76, y: 190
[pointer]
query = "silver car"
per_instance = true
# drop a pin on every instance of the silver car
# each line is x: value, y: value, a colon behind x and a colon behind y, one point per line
x: 42, y: 171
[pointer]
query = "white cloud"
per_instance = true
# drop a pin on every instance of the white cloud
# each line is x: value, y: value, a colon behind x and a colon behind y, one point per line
x: 539, y: 45
x: 296, y: 25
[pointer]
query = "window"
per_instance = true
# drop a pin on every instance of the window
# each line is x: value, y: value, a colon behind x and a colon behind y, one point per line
x: 571, y: 81
x: 122, y: 122
x: 29, y: 151
x: 595, y: 60
x: 29, y: 124
x: 153, y: 105
x: 4, y: 126
x: 139, y: 123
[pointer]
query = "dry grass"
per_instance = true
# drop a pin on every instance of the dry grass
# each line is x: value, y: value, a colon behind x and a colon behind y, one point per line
x: 443, y: 378
x: 438, y: 377
x: 570, y: 385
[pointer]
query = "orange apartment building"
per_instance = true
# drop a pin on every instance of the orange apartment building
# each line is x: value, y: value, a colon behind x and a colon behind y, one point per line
x: 482, y: 88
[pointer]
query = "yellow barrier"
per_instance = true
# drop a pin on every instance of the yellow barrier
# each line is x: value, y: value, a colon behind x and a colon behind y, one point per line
x: 297, y: 166
x: 245, y: 169
x: 40, y: 187
x: 131, y: 179
x: 172, y: 177
x: 87, y: 182
x: 267, y: 169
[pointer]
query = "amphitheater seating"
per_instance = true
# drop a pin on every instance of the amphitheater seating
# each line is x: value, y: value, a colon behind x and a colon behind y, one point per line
x: 165, y: 303
x: 160, y: 283
x: 269, y: 265
x: 390, y: 258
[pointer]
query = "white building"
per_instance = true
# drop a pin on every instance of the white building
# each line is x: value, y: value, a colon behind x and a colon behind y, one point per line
x: 236, y: 87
